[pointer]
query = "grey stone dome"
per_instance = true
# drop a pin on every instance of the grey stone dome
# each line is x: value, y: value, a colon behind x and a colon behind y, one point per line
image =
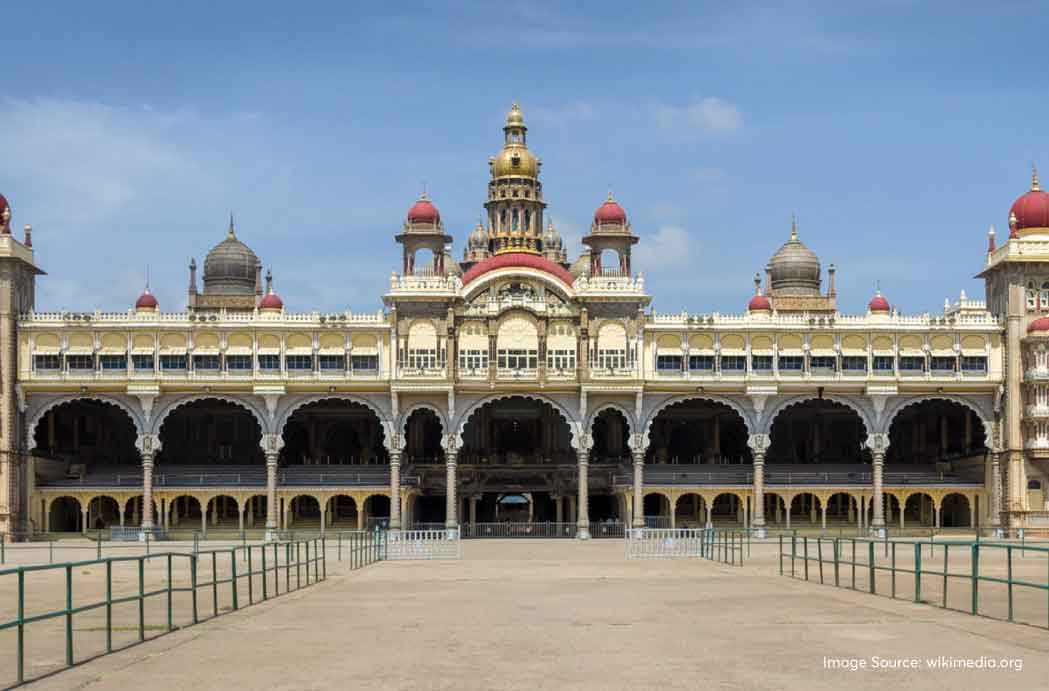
x: 581, y: 266
x: 230, y: 267
x: 795, y: 269
x: 551, y: 238
x: 478, y: 239
x: 451, y: 267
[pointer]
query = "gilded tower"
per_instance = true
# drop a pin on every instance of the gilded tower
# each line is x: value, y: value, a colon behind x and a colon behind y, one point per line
x: 515, y: 195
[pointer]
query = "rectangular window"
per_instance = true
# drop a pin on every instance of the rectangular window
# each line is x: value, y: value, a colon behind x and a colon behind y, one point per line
x: 269, y: 363
x: 474, y: 360
x: 173, y: 363
x: 974, y: 364
x: 853, y: 363
x: 883, y: 363
x: 80, y: 362
x: 761, y: 363
x: 518, y: 359
x: 611, y: 359
x: 669, y: 363
x: 422, y: 358
x: 825, y: 363
x: 112, y: 362
x: 206, y: 362
x: 701, y: 363
x: 733, y: 363
x: 791, y: 363
x: 944, y: 364
x: 366, y: 363
x: 46, y: 362
x: 299, y: 363
x: 560, y: 360
x: 912, y: 363
x: 238, y: 363
x: 332, y: 363
x: 142, y: 363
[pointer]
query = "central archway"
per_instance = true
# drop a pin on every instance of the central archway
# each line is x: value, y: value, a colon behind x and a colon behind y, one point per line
x: 698, y: 431
x: 818, y: 431
x: 334, y: 431
x: 210, y: 432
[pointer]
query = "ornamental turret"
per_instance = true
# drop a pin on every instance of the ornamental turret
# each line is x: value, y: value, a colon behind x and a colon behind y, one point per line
x: 424, y: 230
x: 610, y: 231
x: 515, y: 196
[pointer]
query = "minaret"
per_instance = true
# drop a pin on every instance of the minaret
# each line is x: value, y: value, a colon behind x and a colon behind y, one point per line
x: 515, y: 196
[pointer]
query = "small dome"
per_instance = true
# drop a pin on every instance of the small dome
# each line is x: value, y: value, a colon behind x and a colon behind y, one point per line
x: 610, y: 212
x: 230, y: 267
x: 451, y: 267
x: 423, y: 211
x: 1030, y: 210
x: 581, y: 266
x: 271, y: 301
x: 551, y: 238
x: 515, y: 160
x: 478, y: 239
x: 1041, y: 324
x: 515, y: 118
x: 759, y: 303
x: 878, y: 303
x: 146, y: 301
x: 795, y: 268
x: 4, y: 206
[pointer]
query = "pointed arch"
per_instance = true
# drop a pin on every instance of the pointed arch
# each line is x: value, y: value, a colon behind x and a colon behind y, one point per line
x: 383, y: 416
x: 171, y: 406
x: 33, y: 419
x: 772, y: 413
x: 573, y: 424
x: 748, y: 422
x: 898, y: 406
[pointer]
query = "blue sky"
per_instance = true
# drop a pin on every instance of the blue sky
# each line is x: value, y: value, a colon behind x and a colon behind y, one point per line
x: 897, y: 131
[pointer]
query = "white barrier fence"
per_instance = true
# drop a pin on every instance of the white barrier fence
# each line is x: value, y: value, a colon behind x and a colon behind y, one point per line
x: 424, y: 544
x: 725, y: 546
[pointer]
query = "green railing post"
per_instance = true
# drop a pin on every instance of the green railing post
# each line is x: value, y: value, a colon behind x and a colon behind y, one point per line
x: 98, y: 547
x: 945, y: 559
x: 805, y: 545
x: 251, y: 579
x: 793, y: 554
x: 338, y: 539
x: 287, y: 567
x: 109, y: 606
x: 214, y: 584
x: 69, y: 615
x: 852, y: 562
x: 141, y: 598
x: 265, y: 588
x: 171, y: 612
x: 870, y: 559
x: 819, y: 556
x: 21, y: 626
x: 837, y: 563
x: 781, y: 554
x: 917, y: 572
x: 193, y: 585
x: 233, y: 576
x: 893, y: 571
x: 975, y: 579
x: 1009, y: 554
x: 276, y: 570
x: 50, y: 551
x: 3, y: 549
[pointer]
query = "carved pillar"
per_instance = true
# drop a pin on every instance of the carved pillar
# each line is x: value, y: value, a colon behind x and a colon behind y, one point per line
x: 147, y: 491
x: 583, y: 523
x: 451, y: 519
x: 759, y: 444
x: 395, y: 489
x: 996, y: 493
x: 639, y: 490
x: 271, y: 495
x: 880, y: 443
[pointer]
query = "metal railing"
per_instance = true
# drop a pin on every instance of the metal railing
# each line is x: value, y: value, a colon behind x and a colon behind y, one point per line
x: 723, y: 546
x: 533, y: 529
x: 956, y: 575
x: 424, y: 544
x: 239, y: 576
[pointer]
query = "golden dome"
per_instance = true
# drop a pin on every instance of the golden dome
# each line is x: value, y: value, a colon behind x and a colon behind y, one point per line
x: 515, y: 160
x: 514, y: 118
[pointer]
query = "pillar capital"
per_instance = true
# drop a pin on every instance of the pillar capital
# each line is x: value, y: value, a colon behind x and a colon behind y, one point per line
x: 759, y: 443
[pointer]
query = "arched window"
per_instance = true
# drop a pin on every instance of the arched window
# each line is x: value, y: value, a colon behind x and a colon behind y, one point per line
x: 1032, y: 296
x: 1044, y: 302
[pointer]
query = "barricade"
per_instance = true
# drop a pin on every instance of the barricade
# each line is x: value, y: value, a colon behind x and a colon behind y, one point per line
x: 423, y: 544
x: 724, y: 546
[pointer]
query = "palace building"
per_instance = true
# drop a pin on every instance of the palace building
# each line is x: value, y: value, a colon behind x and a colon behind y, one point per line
x: 521, y: 382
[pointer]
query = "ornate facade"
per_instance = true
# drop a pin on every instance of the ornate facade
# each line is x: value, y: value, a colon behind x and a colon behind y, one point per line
x: 517, y: 384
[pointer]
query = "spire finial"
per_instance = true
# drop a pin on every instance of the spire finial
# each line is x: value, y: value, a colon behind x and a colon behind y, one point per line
x: 793, y: 227
x: 757, y: 283
x: 877, y: 287
x: 1035, y: 187
x: 269, y: 281
x: 232, y: 231
x: 147, y: 278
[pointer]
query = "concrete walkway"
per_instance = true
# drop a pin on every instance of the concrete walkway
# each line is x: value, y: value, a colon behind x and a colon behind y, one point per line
x: 561, y: 614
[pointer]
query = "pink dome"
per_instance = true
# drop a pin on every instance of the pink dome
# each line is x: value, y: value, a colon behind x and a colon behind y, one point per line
x: 271, y: 301
x: 759, y: 303
x: 423, y: 211
x: 610, y: 212
x: 879, y: 304
x: 146, y: 301
x: 1039, y: 324
x: 518, y: 259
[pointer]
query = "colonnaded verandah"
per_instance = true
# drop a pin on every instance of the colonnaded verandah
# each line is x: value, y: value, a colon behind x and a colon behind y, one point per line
x: 519, y: 384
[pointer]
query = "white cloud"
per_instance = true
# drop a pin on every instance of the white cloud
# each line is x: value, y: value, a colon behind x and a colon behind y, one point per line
x: 669, y: 248
x: 710, y: 115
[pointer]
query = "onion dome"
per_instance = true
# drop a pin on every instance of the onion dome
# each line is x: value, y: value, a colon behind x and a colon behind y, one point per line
x: 794, y: 268
x: 878, y: 303
x: 146, y: 301
x: 478, y: 238
x: 609, y: 212
x: 230, y: 267
x: 270, y: 301
x: 515, y: 160
x: 759, y: 303
x: 1039, y: 325
x: 1030, y: 210
x: 423, y: 211
x: 551, y: 238
x: 524, y: 260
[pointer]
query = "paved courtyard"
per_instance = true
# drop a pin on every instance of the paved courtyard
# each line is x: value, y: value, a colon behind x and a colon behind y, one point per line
x: 562, y: 614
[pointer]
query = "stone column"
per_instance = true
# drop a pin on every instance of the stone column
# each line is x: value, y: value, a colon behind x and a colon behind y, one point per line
x: 639, y: 490
x: 451, y: 510
x: 271, y: 495
x: 395, y: 490
x: 878, y: 514
x: 147, y: 491
x: 996, y: 494
x: 759, y: 495
x: 473, y: 510
x: 583, y: 524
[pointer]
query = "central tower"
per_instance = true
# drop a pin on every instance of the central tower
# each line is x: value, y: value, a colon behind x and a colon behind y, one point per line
x: 515, y: 195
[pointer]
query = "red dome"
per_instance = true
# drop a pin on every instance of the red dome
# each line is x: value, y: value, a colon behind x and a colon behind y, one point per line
x: 517, y: 259
x: 1039, y: 324
x: 3, y: 203
x: 610, y: 212
x: 271, y: 301
x: 1032, y: 208
x: 879, y: 304
x: 759, y: 302
x: 146, y: 301
x: 423, y: 211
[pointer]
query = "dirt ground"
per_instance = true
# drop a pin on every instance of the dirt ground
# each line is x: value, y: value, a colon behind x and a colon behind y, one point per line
x: 519, y: 614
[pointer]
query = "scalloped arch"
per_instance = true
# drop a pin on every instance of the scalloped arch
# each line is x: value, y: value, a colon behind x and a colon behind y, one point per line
x: 734, y: 405
x: 34, y: 420
x: 384, y: 422
x: 402, y: 424
x: 899, y: 406
x: 572, y: 423
x: 611, y: 405
x: 173, y: 405
x: 774, y: 412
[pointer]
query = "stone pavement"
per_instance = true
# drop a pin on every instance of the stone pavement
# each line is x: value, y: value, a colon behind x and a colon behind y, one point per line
x: 562, y: 614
